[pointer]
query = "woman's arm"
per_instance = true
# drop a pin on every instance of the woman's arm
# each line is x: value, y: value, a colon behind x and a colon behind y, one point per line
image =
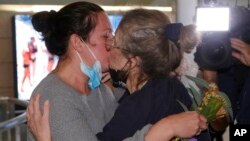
x: 66, y: 118
x: 184, y: 125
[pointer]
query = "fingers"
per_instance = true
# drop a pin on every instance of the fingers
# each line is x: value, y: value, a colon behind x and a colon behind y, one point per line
x: 46, y: 108
x: 38, y: 121
x: 197, y: 123
x: 30, y: 107
x: 242, y: 51
x: 30, y: 113
x: 237, y: 44
x: 33, y: 111
x: 36, y: 105
x: 242, y: 57
x: 237, y: 55
x: 203, y: 122
x: 105, y: 77
x: 200, y: 123
x: 198, y: 132
x: 203, y: 125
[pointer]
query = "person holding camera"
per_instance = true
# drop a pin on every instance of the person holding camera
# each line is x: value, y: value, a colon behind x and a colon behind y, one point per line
x: 242, y: 53
x: 234, y: 81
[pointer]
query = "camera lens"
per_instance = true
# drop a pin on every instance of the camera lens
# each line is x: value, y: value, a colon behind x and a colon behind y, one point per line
x: 214, y: 52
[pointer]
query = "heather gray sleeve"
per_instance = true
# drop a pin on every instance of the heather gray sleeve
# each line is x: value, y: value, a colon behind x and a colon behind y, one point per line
x: 67, y: 120
x: 140, y: 134
x: 118, y: 93
x: 71, y: 120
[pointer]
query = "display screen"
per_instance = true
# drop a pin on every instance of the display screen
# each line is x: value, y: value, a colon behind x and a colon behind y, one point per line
x: 32, y: 60
x: 115, y: 20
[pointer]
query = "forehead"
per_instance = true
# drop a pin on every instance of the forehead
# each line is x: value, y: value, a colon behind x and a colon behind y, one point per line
x: 103, y: 22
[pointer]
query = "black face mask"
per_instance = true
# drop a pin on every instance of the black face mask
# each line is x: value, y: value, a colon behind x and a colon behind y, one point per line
x: 119, y: 77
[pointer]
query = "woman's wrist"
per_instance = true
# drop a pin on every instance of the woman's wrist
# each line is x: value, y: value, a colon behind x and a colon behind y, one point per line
x: 161, y: 131
x: 43, y: 138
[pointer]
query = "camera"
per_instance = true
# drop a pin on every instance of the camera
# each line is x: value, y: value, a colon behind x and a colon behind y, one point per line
x: 218, y: 25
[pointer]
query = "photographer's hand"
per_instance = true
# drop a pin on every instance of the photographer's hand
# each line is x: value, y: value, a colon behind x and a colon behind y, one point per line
x: 243, y: 50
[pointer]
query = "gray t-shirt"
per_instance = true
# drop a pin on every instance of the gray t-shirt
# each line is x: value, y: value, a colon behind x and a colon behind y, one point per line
x: 75, y: 116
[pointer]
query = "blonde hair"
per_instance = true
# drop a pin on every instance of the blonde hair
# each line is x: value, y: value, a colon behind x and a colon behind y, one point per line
x: 141, y: 33
x: 189, y: 38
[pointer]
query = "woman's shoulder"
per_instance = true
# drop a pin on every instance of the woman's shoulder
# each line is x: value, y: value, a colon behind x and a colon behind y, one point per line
x: 166, y: 83
x: 170, y: 87
x: 52, y: 86
x: 49, y: 82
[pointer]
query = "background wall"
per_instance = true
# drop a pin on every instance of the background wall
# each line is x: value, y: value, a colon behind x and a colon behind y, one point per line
x: 185, y: 9
x: 6, y: 61
x: 104, y: 2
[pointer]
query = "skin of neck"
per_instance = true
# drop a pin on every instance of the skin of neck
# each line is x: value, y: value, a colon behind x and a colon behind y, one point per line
x: 68, y: 70
x: 133, y: 82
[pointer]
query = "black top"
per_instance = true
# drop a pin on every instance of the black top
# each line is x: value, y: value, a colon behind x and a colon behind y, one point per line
x: 243, y: 116
x: 235, y: 82
x: 155, y: 100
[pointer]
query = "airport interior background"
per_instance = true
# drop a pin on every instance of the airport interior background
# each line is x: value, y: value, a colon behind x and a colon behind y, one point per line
x: 10, y: 78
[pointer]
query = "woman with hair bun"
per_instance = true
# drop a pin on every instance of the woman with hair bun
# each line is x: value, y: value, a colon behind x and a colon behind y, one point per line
x: 80, y: 105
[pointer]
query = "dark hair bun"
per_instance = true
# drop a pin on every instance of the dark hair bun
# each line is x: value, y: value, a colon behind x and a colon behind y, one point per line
x: 44, y: 21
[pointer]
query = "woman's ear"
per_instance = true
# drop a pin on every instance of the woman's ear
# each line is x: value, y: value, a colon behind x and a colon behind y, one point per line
x: 75, y: 42
x: 135, y: 61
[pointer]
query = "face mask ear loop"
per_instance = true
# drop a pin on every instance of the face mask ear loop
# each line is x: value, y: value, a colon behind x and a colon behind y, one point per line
x: 89, y: 50
x: 80, y: 57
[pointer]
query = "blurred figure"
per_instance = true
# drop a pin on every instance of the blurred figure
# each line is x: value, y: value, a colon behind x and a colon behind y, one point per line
x: 187, y: 39
x: 242, y: 53
x: 234, y: 81
x: 33, y: 50
x: 50, y: 62
x: 26, y: 66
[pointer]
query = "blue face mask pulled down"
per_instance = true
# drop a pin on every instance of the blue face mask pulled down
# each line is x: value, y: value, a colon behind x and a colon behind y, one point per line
x: 94, y: 73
